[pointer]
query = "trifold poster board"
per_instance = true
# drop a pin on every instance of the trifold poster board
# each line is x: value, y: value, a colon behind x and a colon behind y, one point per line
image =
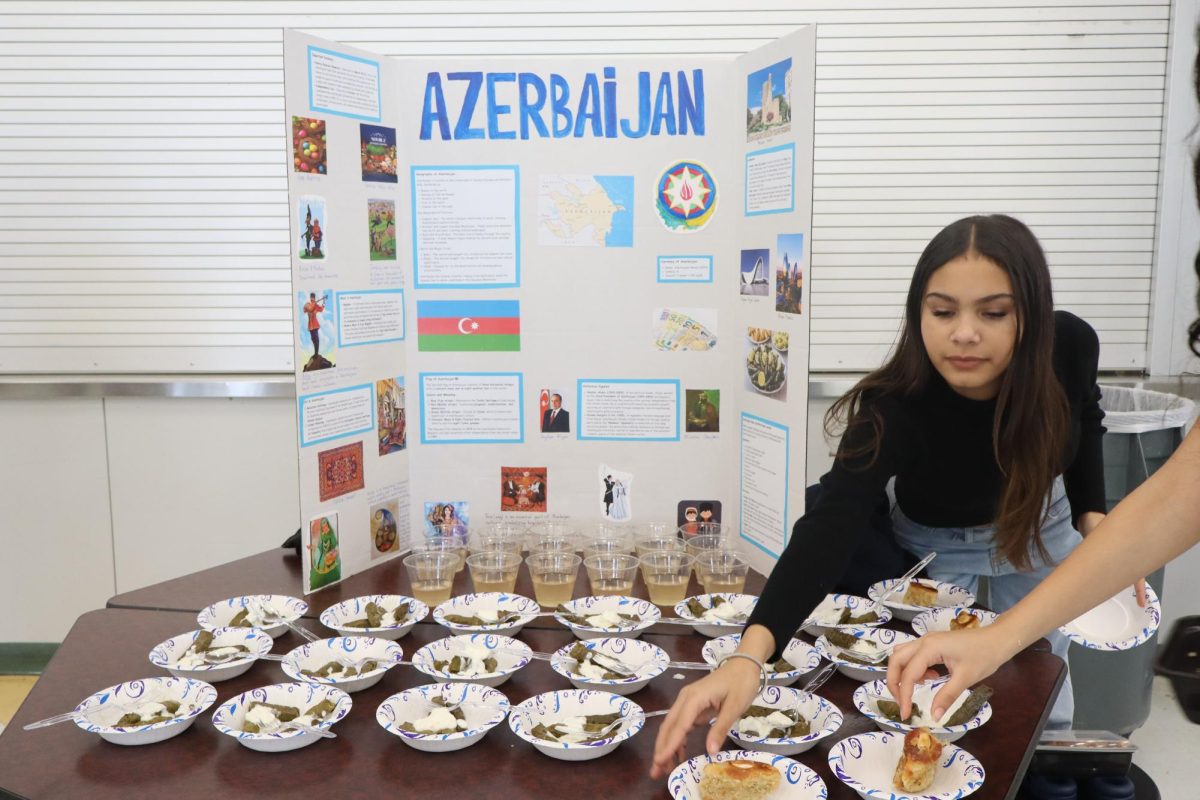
x: 548, y: 289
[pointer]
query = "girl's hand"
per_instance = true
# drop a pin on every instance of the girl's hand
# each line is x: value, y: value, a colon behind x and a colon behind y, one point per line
x: 728, y: 691
x: 970, y: 655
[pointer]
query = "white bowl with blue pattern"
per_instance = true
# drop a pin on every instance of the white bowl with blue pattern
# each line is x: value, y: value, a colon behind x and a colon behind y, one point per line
x: 949, y: 596
x: 799, y: 782
x: 231, y: 716
x: 867, y: 762
x: 834, y: 603
x: 650, y: 661
x: 742, y: 603
x: 823, y: 717
x: 483, y: 709
x: 647, y: 612
x: 553, y: 707
x: 469, y: 605
x: 1118, y: 623
x: 938, y: 619
x: 99, y: 713
x: 800, y: 654
x: 167, y: 654
x: 884, y: 637
x: 355, y: 608
x: 510, y: 654
x: 866, y: 699
x: 315, y: 655
x: 219, y: 615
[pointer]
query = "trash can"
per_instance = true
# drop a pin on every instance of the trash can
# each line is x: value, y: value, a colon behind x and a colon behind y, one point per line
x: 1112, y: 690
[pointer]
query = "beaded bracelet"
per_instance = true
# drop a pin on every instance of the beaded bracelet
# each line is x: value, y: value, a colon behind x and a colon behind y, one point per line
x: 762, y: 670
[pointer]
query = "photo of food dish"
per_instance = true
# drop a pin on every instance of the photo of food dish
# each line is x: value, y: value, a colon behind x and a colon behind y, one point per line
x: 758, y: 335
x: 385, y: 536
x: 766, y: 370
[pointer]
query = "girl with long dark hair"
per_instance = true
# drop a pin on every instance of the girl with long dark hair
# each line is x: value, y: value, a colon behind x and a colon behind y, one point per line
x: 1157, y: 522
x: 986, y: 415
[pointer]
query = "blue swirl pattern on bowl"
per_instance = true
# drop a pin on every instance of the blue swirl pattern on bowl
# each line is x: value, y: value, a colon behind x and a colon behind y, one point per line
x: 798, y: 653
x: 166, y: 653
x: 799, y: 782
x: 186, y: 690
x: 351, y: 648
x: 552, y: 706
x: 652, y: 659
x: 337, y: 615
x: 1144, y: 628
x: 220, y: 613
x: 586, y: 606
x: 300, y: 695
x: 389, y: 713
x: 465, y: 604
x: 959, y: 772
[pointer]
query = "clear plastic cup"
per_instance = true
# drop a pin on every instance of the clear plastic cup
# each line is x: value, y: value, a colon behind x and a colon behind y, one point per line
x: 651, y: 530
x: 550, y: 528
x: 494, y: 542
x: 561, y: 544
x: 455, y: 545
x: 659, y: 541
x: 605, y: 530
x: 494, y: 571
x: 611, y: 574
x: 667, y: 573
x: 547, y: 530
x: 709, y: 541
x: 553, y: 573
x: 691, y: 530
x: 607, y: 546
x: 722, y: 571
x: 431, y: 575
x: 504, y: 529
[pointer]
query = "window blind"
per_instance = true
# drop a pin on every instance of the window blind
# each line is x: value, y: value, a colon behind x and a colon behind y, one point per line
x: 143, y: 201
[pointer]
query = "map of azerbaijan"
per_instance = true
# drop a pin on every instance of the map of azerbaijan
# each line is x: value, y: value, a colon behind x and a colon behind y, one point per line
x: 585, y: 210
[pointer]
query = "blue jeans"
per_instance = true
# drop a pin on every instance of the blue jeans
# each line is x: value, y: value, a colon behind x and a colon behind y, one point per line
x: 963, y: 554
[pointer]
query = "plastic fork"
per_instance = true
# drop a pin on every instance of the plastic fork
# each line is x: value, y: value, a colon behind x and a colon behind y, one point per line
x: 86, y: 713
x: 818, y: 680
x: 324, y: 734
x: 604, y: 732
x: 908, y: 576
x: 303, y: 633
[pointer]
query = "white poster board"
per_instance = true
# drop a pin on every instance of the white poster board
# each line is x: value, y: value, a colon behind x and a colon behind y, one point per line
x: 560, y: 300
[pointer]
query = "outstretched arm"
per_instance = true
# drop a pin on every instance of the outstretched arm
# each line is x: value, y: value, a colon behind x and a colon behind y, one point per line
x: 1158, y: 521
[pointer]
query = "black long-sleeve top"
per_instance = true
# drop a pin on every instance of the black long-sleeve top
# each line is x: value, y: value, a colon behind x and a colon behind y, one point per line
x: 938, y: 445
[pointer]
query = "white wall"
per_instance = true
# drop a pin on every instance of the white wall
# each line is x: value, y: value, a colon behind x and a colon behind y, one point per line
x: 57, y: 533
x: 107, y: 495
x: 198, y: 482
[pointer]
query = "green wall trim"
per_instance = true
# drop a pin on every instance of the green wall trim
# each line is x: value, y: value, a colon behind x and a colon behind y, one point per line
x: 25, y: 658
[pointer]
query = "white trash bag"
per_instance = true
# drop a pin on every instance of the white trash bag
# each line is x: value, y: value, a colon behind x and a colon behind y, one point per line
x: 1141, y: 410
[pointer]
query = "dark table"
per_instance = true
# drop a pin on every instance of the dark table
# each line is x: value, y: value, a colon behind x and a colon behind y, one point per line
x: 108, y: 646
x: 278, y: 572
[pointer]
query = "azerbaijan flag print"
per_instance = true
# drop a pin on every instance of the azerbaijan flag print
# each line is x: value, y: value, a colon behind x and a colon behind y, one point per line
x: 468, y: 325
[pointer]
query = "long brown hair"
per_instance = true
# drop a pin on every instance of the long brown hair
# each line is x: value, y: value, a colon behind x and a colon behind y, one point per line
x: 1030, y: 429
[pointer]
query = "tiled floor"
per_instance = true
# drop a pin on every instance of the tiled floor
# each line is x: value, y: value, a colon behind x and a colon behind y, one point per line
x: 1168, y: 744
x: 13, y: 689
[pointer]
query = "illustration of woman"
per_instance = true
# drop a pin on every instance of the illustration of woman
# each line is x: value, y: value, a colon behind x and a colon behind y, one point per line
x: 620, y: 506
x: 325, y: 566
x: 451, y: 525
